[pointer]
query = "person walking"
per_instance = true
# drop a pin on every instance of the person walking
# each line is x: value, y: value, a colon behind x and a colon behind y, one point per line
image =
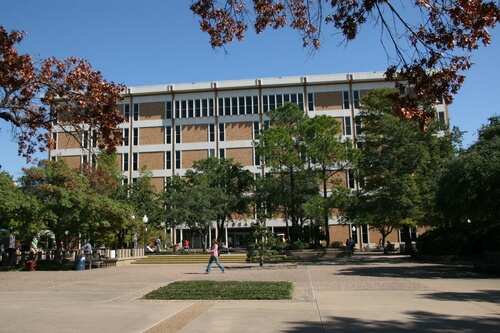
x: 352, y: 243
x: 158, y: 245
x: 214, y: 256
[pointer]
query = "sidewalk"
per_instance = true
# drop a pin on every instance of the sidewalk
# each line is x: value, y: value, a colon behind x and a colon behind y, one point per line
x: 363, y: 293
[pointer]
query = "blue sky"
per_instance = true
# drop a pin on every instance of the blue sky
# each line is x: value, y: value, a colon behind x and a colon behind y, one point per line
x: 159, y: 42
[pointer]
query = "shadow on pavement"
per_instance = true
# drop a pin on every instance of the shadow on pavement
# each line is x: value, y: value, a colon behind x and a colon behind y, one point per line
x: 418, y: 321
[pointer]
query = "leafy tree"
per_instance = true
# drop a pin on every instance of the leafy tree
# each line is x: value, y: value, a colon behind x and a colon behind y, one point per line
x: 68, y: 202
x: 230, y: 182
x: 196, y: 205
x: 105, y: 179
x: 260, y: 249
x: 35, y: 95
x: 17, y: 209
x: 470, y: 187
x: 143, y: 200
x: 61, y: 193
x: 400, y: 164
x: 428, y: 44
x: 329, y: 155
x: 282, y: 149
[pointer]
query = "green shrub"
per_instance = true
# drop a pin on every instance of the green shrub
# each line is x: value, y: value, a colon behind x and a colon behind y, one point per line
x: 337, y: 245
x: 223, y: 290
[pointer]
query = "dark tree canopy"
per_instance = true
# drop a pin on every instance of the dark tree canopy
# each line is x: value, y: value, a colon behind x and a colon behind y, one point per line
x: 427, y: 41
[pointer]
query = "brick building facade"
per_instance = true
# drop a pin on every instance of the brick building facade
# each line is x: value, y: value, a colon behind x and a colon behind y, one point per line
x: 171, y: 126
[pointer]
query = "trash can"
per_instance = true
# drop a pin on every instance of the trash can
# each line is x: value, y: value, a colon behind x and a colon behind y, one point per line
x: 80, y: 262
x: 177, y: 248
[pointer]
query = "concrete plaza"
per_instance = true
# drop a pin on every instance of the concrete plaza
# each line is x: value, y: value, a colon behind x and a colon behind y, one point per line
x: 363, y: 293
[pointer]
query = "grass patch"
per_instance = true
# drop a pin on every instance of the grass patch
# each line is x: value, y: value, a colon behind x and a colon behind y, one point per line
x: 223, y: 290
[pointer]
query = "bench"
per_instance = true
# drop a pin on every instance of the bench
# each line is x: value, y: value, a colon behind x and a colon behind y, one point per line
x: 94, y: 260
x: 490, y: 262
x: 389, y: 249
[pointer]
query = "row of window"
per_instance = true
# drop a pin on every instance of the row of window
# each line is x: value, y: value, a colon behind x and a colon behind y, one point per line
x: 347, y: 130
x: 234, y: 106
x: 168, y: 159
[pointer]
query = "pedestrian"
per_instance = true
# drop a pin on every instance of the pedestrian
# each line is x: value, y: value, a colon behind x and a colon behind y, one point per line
x: 158, y: 245
x: 214, y: 256
x: 87, y: 247
x: 185, y: 246
x: 351, y: 245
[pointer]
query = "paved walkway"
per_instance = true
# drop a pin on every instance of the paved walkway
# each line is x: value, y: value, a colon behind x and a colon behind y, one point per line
x: 364, y: 293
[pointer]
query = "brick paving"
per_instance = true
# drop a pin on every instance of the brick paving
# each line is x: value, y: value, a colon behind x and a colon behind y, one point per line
x: 365, y: 292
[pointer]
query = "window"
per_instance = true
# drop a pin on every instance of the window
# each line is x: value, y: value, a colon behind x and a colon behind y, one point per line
x: 441, y: 120
x: 168, y: 131
x: 256, y: 129
x: 364, y: 233
x: 178, y: 134
x: 356, y: 99
x: 190, y: 108
x: 347, y: 126
x: 234, y: 106
x: 54, y: 138
x: 265, y: 103
x: 301, y: 101
x: 183, y: 109
x: 169, y: 110
x: 310, y: 102
x: 84, y: 159
x: 256, y: 158
x: 204, y: 108
x: 94, y: 138
x: 222, y: 153
x: 211, y: 107
x: 125, y: 136
x: 177, y: 109
x: 441, y: 117
x: 136, y: 137
x: 222, y: 133
x: 255, y: 105
x: 211, y: 133
x: 85, y: 139
x: 272, y: 102
x: 221, y: 106
x: 358, y: 126
x: 197, y: 108
x: 125, y: 162
x: 346, y: 99
x: 279, y: 100
x: 168, y: 162
x: 241, y: 106
x: 211, y: 153
x: 177, y: 159
x: 227, y: 106
x: 126, y: 111
x: 136, y: 111
x: 135, y: 160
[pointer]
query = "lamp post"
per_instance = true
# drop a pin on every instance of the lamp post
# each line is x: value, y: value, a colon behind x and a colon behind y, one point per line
x: 145, y: 220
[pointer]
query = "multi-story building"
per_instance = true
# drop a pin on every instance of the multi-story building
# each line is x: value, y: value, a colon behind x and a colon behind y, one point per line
x: 171, y: 126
